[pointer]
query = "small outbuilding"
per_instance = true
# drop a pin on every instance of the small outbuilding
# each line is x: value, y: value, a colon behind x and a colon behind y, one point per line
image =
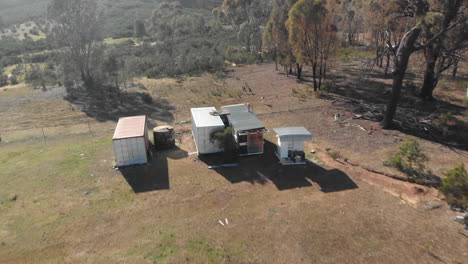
x: 130, y: 141
x: 247, y: 129
x: 205, y: 122
x: 291, y: 144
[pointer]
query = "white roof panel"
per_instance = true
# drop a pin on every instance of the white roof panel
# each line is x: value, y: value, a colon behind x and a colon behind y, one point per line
x: 293, y: 133
x: 203, y: 118
x: 129, y: 127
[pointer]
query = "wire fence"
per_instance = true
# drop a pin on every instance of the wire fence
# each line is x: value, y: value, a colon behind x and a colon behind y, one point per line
x: 95, y: 128
x: 50, y: 133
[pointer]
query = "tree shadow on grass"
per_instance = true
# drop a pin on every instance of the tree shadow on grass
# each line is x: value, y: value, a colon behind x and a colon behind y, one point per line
x: 154, y: 175
x: 109, y: 104
x: 266, y: 168
x: 366, y: 93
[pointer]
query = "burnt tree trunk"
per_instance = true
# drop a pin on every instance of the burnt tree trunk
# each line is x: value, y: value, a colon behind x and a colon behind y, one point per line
x: 405, y: 49
x: 387, y: 64
x: 455, y: 68
x: 314, y: 76
x: 429, y: 74
x: 433, y: 51
x: 299, y: 70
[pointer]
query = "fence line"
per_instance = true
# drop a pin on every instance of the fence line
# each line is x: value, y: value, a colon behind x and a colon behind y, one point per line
x: 93, y: 128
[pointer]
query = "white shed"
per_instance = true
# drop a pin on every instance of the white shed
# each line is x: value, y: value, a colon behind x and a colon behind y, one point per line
x: 205, y: 122
x: 130, y: 140
x: 291, y: 144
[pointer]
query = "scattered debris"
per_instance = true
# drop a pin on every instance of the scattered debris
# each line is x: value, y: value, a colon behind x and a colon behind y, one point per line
x: 225, y: 223
x: 183, y: 122
x: 192, y: 153
x: 336, y: 116
x: 223, y: 166
x: 460, y: 219
x: 81, y: 155
x: 246, y: 89
x: 360, y: 127
x: 313, y: 151
x: 431, y: 205
x: 14, y: 198
x: 92, y: 175
x: 357, y: 117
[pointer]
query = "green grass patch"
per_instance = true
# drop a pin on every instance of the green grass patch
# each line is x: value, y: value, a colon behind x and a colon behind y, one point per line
x: 167, y: 247
x: 115, y: 41
x: 19, y: 70
x: 201, y: 250
x: 334, y: 155
x: 354, y: 52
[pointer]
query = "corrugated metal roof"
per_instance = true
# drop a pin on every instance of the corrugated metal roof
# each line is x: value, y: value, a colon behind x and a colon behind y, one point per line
x: 293, y: 133
x: 241, y: 119
x: 129, y: 127
x: 203, y: 118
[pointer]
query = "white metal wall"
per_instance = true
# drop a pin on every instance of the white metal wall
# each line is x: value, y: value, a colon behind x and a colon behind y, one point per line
x: 202, y: 140
x: 284, y: 146
x: 130, y: 151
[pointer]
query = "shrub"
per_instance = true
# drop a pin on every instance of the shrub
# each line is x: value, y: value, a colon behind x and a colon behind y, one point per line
x: 3, y: 80
x: 13, y: 80
x: 146, y: 98
x: 328, y: 86
x: 455, y: 187
x: 226, y: 141
x: 334, y: 155
x: 444, y: 119
x: 410, y: 159
x: 411, y: 87
x: 240, y: 56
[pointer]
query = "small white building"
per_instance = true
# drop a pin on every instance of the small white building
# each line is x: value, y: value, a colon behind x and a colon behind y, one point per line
x: 130, y: 141
x: 291, y: 144
x: 206, y: 122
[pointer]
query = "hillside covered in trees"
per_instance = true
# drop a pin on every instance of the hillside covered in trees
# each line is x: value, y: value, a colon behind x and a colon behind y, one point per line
x: 168, y: 38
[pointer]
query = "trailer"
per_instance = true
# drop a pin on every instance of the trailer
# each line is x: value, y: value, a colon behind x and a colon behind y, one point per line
x: 130, y: 140
x: 205, y: 122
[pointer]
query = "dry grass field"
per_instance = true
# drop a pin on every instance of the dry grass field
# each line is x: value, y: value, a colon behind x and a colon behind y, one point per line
x: 61, y: 200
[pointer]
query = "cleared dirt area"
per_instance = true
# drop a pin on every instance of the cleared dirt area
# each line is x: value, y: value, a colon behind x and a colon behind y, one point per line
x: 61, y: 201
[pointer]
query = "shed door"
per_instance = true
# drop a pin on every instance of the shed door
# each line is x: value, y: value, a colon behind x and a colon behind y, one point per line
x: 255, y: 143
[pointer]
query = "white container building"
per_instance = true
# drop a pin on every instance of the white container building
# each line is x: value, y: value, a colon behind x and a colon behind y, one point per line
x: 130, y: 141
x: 206, y: 122
x: 290, y: 147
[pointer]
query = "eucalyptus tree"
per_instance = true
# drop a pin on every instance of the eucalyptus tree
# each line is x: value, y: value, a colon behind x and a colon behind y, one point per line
x: 313, y: 36
x: 77, y: 29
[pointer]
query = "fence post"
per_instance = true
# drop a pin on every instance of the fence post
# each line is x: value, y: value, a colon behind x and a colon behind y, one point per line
x: 43, y: 134
x: 89, y: 127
